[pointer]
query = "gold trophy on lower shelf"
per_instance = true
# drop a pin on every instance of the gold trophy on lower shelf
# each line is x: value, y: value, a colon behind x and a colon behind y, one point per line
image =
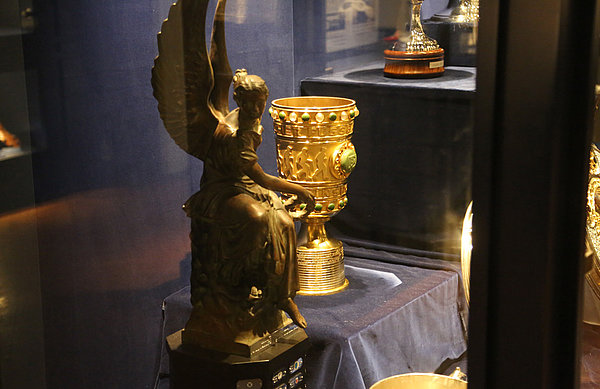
x: 314, y: 150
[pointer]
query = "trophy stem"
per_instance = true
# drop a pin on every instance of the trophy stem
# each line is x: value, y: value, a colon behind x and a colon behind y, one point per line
x: 320, y: 260
x: 313, y: 233
x: 418, y: 40
x: 415, y: 19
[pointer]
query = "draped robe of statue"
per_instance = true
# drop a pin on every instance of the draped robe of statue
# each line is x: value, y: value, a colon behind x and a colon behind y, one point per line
x: 243, y: 252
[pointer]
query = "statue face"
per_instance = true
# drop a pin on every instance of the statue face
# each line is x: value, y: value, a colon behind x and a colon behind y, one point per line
x: 252, y: 104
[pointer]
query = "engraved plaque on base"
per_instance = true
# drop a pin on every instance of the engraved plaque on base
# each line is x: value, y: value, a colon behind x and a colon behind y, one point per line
x: 314, y: 150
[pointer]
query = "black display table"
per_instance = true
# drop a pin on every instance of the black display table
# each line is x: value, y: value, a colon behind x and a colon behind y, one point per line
x: 400, y: 314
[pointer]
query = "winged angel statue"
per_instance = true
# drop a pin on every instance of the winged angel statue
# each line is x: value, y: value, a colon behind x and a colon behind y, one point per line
x: 243, y: 239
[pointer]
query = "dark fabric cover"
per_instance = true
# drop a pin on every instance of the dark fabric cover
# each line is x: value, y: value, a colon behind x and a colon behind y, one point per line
x: 401, y: 313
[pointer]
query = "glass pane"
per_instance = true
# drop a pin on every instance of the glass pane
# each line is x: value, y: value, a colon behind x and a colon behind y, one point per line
x: 21, y: 321
x: 368, y: 124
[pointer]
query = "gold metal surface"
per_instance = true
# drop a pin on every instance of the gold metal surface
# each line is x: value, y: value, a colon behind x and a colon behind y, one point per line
x: 320, y: 261
x: 466, y: 12
x: 418, y: 40
x: 466, y: 247
x: 593, y: 220
x: 314, y: 150
x: 423, y: 381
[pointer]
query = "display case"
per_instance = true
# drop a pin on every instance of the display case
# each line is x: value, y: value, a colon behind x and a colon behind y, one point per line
x: 20, y: 128
x: 95, y: 251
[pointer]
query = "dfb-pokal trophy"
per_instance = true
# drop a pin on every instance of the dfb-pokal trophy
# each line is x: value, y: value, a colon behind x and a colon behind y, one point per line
x: 314, y: 150
x: 244, y: 266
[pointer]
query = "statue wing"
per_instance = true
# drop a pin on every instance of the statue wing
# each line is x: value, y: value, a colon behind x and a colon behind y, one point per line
x: 183, y: 79
x: 218, y: 57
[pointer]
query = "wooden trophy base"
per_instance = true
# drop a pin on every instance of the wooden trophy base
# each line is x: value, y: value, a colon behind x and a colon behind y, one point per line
x: 414, y: 64
x: 281, y: 365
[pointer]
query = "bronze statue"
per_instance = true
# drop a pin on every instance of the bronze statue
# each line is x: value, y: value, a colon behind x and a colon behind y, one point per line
x: 243, y: 239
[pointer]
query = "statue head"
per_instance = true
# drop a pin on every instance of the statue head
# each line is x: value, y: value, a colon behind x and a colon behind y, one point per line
x: 250, y: 93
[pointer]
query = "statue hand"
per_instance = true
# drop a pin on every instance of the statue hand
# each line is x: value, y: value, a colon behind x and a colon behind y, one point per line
x: 304, y: 199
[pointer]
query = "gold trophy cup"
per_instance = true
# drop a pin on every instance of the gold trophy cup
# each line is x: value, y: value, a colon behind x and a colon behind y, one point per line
x: 314, y: 150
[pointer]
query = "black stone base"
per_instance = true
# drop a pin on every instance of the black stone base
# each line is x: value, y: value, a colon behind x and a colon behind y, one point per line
x: 280, y: 366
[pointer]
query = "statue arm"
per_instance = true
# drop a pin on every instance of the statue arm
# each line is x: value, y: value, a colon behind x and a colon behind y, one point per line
x: 256, y: 173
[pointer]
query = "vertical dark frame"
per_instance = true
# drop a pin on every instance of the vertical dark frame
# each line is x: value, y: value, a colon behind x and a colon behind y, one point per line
x: 535, y: 85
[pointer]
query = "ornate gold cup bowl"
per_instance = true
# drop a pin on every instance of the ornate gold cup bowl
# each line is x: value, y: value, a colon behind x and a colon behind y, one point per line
x: 314, y: 150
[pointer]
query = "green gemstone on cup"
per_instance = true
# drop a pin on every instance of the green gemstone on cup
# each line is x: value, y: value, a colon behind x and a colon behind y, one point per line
x: 332, y: 117
x: 346, y: 201
x: 318, y: 207
x: 281, y: 115
x: 348, y: 160
x: 271, y: 111
x: 342, y: 204
x: 302, y: 207
x: 352, y: 113
x: 331, y: 206
x: 305, y: 117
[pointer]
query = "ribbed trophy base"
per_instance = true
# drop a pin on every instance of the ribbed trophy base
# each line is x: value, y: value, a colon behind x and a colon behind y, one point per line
x: 321, y: 269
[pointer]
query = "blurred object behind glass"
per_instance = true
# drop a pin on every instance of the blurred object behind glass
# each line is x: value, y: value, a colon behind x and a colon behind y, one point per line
x: 590, y: 331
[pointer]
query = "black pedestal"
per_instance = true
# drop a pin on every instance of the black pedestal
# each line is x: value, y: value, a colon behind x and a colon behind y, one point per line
x: 279, y: 366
